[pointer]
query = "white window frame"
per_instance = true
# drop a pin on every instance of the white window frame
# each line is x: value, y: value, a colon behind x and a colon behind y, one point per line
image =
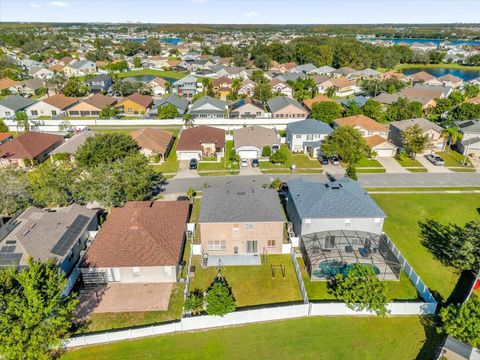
x: 249, y: 226
x: 236, y: 227
x: 217, y: 245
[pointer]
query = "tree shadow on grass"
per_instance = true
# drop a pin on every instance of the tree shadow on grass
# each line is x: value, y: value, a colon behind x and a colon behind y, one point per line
x: 433, y: 339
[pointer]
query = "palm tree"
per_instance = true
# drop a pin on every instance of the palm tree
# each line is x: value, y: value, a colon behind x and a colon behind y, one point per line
x: 188, y: 120
x: 453, y: 134
x: 21, y: 119
x: 330, y: 92
x: 236, y: 85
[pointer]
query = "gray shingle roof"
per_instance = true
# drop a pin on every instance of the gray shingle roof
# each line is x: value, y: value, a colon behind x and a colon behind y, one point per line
x: 17, y: 102
x: 469, y: 126
x: 343, y: 198
x: 309, y: 126
x: 189, y: 79
x: 229, y: 203
x: 81, y: 63
x: 279, y: 102
x: 175, y: 100
x: 71, y: 145
x: 423, y: 123
x: 219, y: 104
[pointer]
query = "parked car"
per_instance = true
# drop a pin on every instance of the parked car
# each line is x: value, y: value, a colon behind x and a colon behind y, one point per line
x: 244, y: 163
x: 334, y: 160
x: 435, y: 159
x: 193, y: 164
x: 255, y: 163
x: 323, y: 159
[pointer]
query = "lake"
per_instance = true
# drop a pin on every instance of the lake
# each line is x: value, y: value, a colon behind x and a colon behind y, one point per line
x: 465, y: 75
x: 147, y: 78
x: 166, y: 40
x: 425, y: 41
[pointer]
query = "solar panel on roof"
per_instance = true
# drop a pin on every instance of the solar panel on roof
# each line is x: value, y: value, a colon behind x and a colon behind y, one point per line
x: 8, y: 249
x: 70, y: 236
x: 10, y: 259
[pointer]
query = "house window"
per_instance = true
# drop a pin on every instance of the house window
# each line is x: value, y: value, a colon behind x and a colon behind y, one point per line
x: 217, y: 245
x: 309, y: 137
x: 7, y: 113
x: 54, y: 112
x: 347, y: 222
x: 298, y: 136
x: 236, y: 227
x: 34, y: 112
x: 271, y: 243
x: 249, y: 227
x: 136, y: 271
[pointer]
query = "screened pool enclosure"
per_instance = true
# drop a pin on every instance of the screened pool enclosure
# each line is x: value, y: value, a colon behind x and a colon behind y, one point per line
x: 328, y: 253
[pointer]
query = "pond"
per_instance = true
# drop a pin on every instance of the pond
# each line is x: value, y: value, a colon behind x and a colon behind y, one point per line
x: 465, y: 75
x: 166, y: 40
x: 147, y: 78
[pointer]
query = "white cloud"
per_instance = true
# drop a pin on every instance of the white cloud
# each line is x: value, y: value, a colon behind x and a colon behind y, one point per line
x: 57, y: 4
x: 251, y: 13
x: 34, y: 5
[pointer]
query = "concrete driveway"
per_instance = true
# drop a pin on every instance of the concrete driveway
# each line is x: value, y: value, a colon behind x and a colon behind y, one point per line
x: 184, y: 171
x: 430, y: 167
x: 391, y: 165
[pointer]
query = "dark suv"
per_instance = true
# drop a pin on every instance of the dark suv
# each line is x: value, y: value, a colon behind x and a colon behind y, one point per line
x: 193, y: 164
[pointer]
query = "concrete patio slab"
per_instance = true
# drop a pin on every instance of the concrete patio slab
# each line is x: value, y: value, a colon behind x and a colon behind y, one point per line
x: 235, y: 260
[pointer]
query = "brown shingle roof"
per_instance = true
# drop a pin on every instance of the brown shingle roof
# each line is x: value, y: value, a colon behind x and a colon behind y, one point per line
x: 143, y: 100
x: 342, y: 82
x: 319, y: 98
x: 375, y: 140
x: 362, y: 121
x: 422, y: 76
x: 156, y: 140
x: 193, y: 138
x: 4, y: 136
x: 100, y: 101
x: 28, y: 145
x: 60, y: 101
x: 7, y: 83
x: 142, y: 233
x: 56, y: 67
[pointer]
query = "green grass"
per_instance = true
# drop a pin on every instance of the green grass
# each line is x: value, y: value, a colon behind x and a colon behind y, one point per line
x: 289, y: 171
x: 396, y: 290
x: 408, y: 162
x: 440, y: 188
x: 195, y: 210
x: 396, y: 338
x: 465, y: 169
x: 453, y: 158
x: 299, y: 160
x: 403, y: 213
x: 219, y: 173
x: 107, y: 321
x: 374, y: 170
x: 416, y: 169
x: 365, y: 162
x: 170, y: 165
x: 222, y: 164
x: 253, y: 285
x: 442, y: 66
x: 169, y: 74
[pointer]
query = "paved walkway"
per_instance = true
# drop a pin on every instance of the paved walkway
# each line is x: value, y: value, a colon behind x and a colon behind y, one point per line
x: 430, y: 167
x: 391, y: 165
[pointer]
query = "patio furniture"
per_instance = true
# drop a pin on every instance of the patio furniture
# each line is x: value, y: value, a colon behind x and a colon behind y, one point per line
x: 363, y: 251
x: 348, y: 249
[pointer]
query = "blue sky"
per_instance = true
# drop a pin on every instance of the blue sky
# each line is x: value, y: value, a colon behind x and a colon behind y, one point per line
x: 243, y: 11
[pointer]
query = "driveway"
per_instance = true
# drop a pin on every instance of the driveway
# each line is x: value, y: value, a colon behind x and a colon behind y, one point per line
x: 430, y: 167
x: 124, y: 298
x: 250, y: 170
x: 337, y: 171
x: 184, y: 171
x: 391, y: 165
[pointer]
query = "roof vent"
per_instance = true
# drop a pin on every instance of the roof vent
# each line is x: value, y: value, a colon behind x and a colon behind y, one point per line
x: 25, y: 232
x: 32, y: 225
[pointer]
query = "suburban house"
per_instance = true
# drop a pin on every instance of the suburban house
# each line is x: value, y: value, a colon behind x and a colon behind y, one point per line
x: 201, y: 141
x: 51, y: 106
x: 381, y: 146
x: 367, y: 126
x: 324, y: 70
x: 285, y: 107
x: 180, y: 103
x: 344, y: 71
x: 304, y: 69
x: 247, y: 88
x: 343, y: 86
x: 247, y: 109
x: 238, y: 221
x: 29, y: 87
x: 450, y: 81
x: 307, y: 135
x: 323, y: 82
x: 30, y: 146
x: 222, y: 86
x: 135, y: 104
x: 185, y: 87
x: 10, y: 105
x: 281, y: 87
x: 41, y: 73
x: 154, y: 141
x: 159, y: 86
x: 4, y: 137
x: 249, y: 141
x: 208, y: 107
x: 99, y: 83
x: 424, y: 78
x: 81, y: 67
x: 9, y: 85
x: 71, y: 145
x: 141, y: 242
x: 470, y: 144
x: 43, y: 234
x: 92, y: 106
x: 434, y: 132
x: 366, y: 74
x: 308, y: 103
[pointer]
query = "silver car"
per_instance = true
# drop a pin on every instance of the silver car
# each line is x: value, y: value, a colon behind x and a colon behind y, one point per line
x: 435, y: 160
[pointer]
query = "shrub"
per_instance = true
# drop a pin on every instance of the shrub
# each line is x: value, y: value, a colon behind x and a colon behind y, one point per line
x: 266, y: 151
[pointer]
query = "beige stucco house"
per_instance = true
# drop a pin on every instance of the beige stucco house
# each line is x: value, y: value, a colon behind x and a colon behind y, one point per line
x: 432, y: 130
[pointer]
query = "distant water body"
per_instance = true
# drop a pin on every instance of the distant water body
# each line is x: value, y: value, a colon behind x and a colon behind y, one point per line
x: 426, y: 41
x: 465, y: 75
x: 169, y: 40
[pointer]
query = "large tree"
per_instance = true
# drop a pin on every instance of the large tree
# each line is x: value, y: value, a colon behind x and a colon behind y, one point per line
x: 168, y: 111
x: 35, y: 317
x: 3, y: 126
x: 326, y: 111
x: 75, y: 87
x: 414, y: 141
x: 348, y: 143
x: 105, y: 148
x: 13, y: 190
x: 21, y: 119
x: 263, y: 92
x: 219, y: 298
x: 361, y: 290
x: 463, y: 321
x: 373, y: 109
x: 153, y: 46
x: 403, y: 109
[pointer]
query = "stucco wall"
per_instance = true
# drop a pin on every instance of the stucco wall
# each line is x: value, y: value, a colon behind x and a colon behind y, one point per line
x: 146, y: 274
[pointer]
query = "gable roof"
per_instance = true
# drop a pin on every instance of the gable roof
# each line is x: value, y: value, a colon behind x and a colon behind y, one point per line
x: 100, y: 101
x: 142, y: 100
x: 6, y: 83
x: 375, y: 140
x: 469, y: 126
x: 343, y: 198
x: 257, y: 136
x: 320, y: 79
x: 423, y: 123
x: 33, y: 84
x: 451, y: 78
x: 159, y: 81
x: 28, y: 145
x: 60, y: 101
x: 230, y: 203
x: 219, y: 104
x: 175, y: 100
x: 17, y: 102
x: 246, y: 101
x: 70, y: 146
x: 279, y: 102
x: 4, y: 136
x: 156, y: 140
x: 80, y: 64
x: 142, y: 233
x: 422, y: 76
x: 186, y: 80
x: 342, y: 81
x: 193, y: 138
x: 309, y: 126
x: 324, y: 69
x: 361, y: 121
x: 319, y: 98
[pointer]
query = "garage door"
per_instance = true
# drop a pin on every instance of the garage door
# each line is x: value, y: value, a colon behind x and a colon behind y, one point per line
x: 385, y: 152
x: 248, y: 154
x: 185, y: 155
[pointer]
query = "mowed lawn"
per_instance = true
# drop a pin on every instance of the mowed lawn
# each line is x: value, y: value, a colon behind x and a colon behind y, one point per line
x: 403, y: 213
x: 253, y: 285
x: 306, y: 338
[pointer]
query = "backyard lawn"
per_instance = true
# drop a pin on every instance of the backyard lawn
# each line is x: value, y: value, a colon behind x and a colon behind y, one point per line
x: 168, y: 74
x: 396, y: 290
x: 307, y: 338
x: 106, y: 321
x: 253, y: 285
x: 403, y: 213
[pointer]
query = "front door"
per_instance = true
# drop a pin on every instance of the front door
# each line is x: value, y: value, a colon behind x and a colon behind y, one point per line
x: 251, y: 247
